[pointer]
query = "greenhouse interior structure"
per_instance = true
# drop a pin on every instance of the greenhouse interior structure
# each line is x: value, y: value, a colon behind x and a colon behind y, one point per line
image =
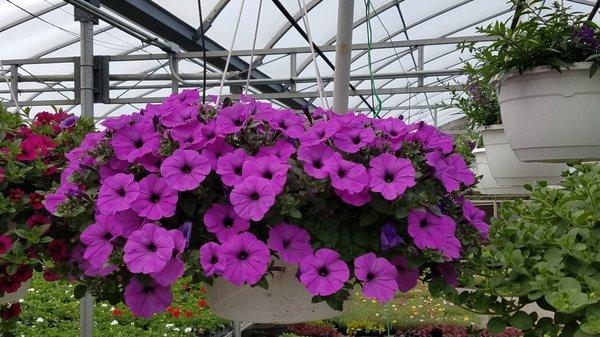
x: 300, y: 168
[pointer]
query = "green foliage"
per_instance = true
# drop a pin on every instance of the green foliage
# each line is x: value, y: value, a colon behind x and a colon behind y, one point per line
x: 477, y: 100
x: 546, y: 251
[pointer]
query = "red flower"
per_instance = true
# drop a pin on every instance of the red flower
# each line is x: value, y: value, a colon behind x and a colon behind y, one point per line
x: 24, y: 131
x: 10, y: 311
x: 50, y: 275
x: 203, y: 289
x: 173, y: 311
x: 16, y: 194
x: 58, y: 250
x: 116, y: 312
x: 42, y: 118
x: 34, y: 146
x: 202, y: 303
x: 23, y: 273
x: 2, y: 176
x: 9, y: 284
x: 188, y: 313
x: 50, y: 170
x: 37, y: 220
x: 5, y: 244
x: 36, y: 200
x: 186, y: 287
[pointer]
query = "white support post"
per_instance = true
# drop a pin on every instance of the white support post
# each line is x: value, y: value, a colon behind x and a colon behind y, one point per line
x: 86, y: 68
x: 293, y: 73
x: 421, y: 64
x: 343, y: 53
x: 86, y: 315
x: 237, y: 329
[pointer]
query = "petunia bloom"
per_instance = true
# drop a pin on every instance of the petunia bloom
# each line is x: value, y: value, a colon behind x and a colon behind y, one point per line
x: 246, y: 259
x: 287, y: 122
x: 407, y: 277
x: 232, y: 118
x: 319, y: 133
x: 269, y: 168
x: 282, y: 150
x: 434, y: 232
x: 377, y: 276
x: 216, y: 150
x: 476, y: 217
x: 324, y: 272
x: 253, y: 198
x: 117, y: 193
x: 184, y: 170
x: 291, y: 242
x: 351, y: 140
x: 179, y: 115
x: 210, y: 259
x: 389, y: 237
x: 148, y: 250
x: 157, y: 198
x: 128, y: 221
x: 147, y: 299
x: 346, y: 175
x: 355, y: 199
x: 98, y: 239
x: 175, y: 267
x: 222, y: 221
x: 432, y: 139
x: 451, y: 170
x: 314, y: 158
x: 135, y: 141
x: 229, y: 167
x: 390, y: 176
x: 5, y: 244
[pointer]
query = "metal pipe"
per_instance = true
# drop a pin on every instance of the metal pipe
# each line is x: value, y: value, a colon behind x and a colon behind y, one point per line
x: 86, y: 315
x: 341, y: 80
x: 86, y: 68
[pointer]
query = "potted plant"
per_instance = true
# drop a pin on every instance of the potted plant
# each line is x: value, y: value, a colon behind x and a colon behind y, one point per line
x: 539, y: 273
x: 31, y: 161
x: 269, y: 206
x: 479, y: 103
x: 544, y: 70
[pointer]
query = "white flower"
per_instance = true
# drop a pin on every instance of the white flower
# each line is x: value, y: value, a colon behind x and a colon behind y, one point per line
x: 39, y: 320
x: 20, y: 300
x: 104, y: 305
x: 31, y: 290
x: 114, y: 322
x: 175, y: 329
x: 187, y: 330
x: 169, y: 325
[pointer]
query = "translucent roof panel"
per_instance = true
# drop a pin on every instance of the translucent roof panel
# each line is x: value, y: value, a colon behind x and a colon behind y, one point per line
x: 34, y: 29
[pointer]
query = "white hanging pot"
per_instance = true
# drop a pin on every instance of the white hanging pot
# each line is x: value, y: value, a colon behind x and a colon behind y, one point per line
x: 487, y: 184
x: 16, y: 296
x: 286, y: 301
x: 550, y: 116
x: 507, y: 170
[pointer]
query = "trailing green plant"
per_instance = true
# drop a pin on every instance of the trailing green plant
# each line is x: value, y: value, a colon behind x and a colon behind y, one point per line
x: 543, y: 251
x: 552, y: 36
x: 477, y: 100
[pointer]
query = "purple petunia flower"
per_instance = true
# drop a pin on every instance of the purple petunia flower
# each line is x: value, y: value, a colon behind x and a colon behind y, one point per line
x: 449, y: 246
x: 216, y: 150
x: 431, y: 231
x: 185, y: 97
x: 127, y: 220
x: 112, y: 167
x: 184, y: 170
x: 189, y: 136
x: 68, y: 122
x: 175, y: 267
x: 389, y: 237
x: 324, y: 272
x: 447, y: 272
x: 432, y: 139
x: 232, y: 118
x: 117, y: 193
x: 355, y: 199
x: 135, y: 141
x: 211, y: 260
x: 346, y: 175
x: 476, y: 217
x: 246, y: 259
x: 407, y: 278
x: 269, y: 168
x: 314, y: 158
x: 145, y: 300
x: 98, y: 240
x: 186, y: 231
x: 116, y: 123
x: 394, y: 130
x: 451, y: 170
x: 178, y: 115
x: 319, y: 133
x: 351, y: 140
x: 229, y: 167
x: 282, y: 150
x: 53, y: 200
x: 148, y: 250
x: 291, y: 242
x: 150, y: 162
x: 390, y: 176
x: 287, y: 122
x: 378, y: 277
x: 222, y: 221
x: 252, y: 198
x: 208, y: 134
x: 156, y: 200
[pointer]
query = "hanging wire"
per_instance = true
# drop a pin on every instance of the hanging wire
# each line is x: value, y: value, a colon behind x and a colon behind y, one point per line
x: 321, y: 88
x: 253, y: 48
x: 13, y: 94
x: 202, y: 37
x: 374, y: 95
x: 237, y: 25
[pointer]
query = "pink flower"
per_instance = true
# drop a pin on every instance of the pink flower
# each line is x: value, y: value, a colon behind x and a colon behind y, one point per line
x: 246, y: 259
x: 210, y: 259
x: 252, y: 198
x: 351, y: 140
x: 314, y: 158
x: 147, y: 299
x: 189, y: 136
x: 282, y: 150
x: 98, y: 240
x: 229, y: 167
x: 117, y: 193
x: 157, y: 199
x: 135, y: 141
x: 476, y: 217
x: 150, y: 162
x: 269, y: 168
x: 432, y: 139
x: 232, y: 118
x: 435, y: 232
x: 355, y: 199
x: 222, y: 221
x: 319, y: 133
x: 5, y: 244
x: 180, y: 115
x: 407, y: 278
x: 378, y: 277
x: 175, y: 267
x: 184, y: 170
x: 324, y: 272
x: 451, y: 170
x: 127, y: 220
x: 390, y: 176
x: 148, y: 250
x: 287, y: 122
x: 291, y: 242
x: 216, y: 150
x: 346, y: 175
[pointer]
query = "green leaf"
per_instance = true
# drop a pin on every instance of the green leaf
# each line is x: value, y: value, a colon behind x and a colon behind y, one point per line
x: 263, y: 283
x: 521, y: 320
x: 79, y: 291
x: 368, y: 217
x: 496, y: 325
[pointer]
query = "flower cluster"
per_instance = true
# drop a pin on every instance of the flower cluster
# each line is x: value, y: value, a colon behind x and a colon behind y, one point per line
x: 31, y: 159
x: 348, y: 198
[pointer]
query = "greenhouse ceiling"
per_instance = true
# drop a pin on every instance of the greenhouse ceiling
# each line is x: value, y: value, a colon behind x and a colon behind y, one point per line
x: 152, y: 48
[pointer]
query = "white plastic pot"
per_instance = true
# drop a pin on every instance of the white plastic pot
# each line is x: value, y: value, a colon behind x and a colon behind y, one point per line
x: 507, y: 170
x: 550, y: 116
x: 286, y: 301
x: 487, y: 184
x: 16, y: 296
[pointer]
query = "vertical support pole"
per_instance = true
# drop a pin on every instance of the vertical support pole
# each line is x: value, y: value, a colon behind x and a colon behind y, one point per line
x: 14, y: 82
x: 435, y: 117
x: 420, y: 64
x: 293, y: 73
x: 87, y: 68
x: 174, y: 81
x: 86, y: 315
x: 343, y: 51
x: 237, y: 329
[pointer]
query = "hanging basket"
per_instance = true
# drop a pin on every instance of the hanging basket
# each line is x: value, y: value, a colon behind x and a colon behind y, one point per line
x: 507, y: 170
x: 286, y: 301
x: 16, y: 296
x: 550, y: 116
x: 487, y: 184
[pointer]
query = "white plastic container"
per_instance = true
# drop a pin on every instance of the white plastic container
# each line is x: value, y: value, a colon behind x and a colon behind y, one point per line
x: 487, y: 184
x: 286, y: 301
x: 550, y: 116
x: 16, y: 296
x: 507, y: 170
